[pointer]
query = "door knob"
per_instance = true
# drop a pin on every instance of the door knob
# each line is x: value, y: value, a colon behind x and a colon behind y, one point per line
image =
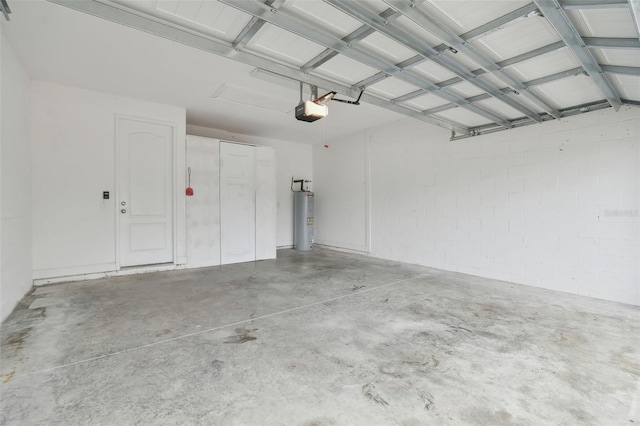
x: 123, y: 211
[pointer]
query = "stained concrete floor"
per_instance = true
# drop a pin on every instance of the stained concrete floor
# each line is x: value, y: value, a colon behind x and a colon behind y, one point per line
x: 320, y: 338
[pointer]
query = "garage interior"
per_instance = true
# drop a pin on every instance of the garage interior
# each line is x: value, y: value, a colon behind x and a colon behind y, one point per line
x: 474, y: 170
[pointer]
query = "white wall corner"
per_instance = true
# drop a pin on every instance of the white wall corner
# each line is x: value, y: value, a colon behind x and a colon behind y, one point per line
x: 15, y: 180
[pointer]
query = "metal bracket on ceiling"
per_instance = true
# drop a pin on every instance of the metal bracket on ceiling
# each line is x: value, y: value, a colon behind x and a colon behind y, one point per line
x: 345, y: 101
x: 330, y: 96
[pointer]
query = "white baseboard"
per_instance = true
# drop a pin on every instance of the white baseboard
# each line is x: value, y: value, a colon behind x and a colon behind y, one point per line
x: 96, y: 275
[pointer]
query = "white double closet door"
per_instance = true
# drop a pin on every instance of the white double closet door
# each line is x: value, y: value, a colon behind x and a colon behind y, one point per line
x: 247, y: 203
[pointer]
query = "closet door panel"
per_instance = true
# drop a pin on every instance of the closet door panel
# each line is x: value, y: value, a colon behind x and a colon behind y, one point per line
x: 237, y: 203
x: 266, y: 200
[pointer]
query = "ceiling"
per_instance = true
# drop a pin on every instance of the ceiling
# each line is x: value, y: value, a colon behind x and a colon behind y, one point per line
x: 470, y: 66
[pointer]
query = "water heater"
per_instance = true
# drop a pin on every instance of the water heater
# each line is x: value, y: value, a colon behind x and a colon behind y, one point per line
x: 303, y: 220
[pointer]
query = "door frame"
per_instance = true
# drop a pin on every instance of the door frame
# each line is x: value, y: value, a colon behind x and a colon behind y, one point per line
x: 174, y: 181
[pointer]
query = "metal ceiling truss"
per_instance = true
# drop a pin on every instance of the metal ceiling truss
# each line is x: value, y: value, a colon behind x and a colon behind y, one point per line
x: 532, y: 54
x: 593, y: 4
x: 512, y: 61
x: 556, y: 16
x: 615, y: 69
x: 450, y: 38
x: 4, y: 8
x: 500, y: 23
x: 538, y: 81
x: 295, y: 26
x: 507, y: 62
x: 354, y: 37
x: 268, y: 11
x: 132, y: 18
x: 566, y: 112
x: 254, y: 25
x: 408, y: 40
x: 634, y: 5
x: 481, y: 31
x: 611, y: 43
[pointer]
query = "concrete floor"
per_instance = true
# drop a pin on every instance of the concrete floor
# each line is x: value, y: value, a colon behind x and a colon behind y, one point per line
x: 321, y: 338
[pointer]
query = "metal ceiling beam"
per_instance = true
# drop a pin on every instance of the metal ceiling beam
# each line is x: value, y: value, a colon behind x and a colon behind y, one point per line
x: 254, y: 25
x: 404, y: 65
x: 357, y: 35
x: 447, y: 107
x: 131, y: 18
x: 593, y: 4
x: 494, y: 25
x: 296, y: 26
x: 532, y: 54
x: 302, y: 29
x: 4, y: 8
x: 615, y: 69
x: 507, y: 62
x: 450, y: 82
x: 417, y: 45
x: 542, y: 80
x: 554, y: 77
x: 376, y: 78
x: 478, y: 32
x: 559, y: 20
x: 489, y: 27
x: 449, y: 37
x: 634, y: 5
x: 497, y: 24
x: 611, y: 43
x: 247, y: 33
x: 566, y: 112
x: 500, y: 23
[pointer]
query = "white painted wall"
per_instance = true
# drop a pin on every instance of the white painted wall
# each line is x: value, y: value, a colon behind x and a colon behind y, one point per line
x: 552, y: 205
x: 203, y: 208
x: 15, y: 172
x: 292, y: 159
x: 73, y: 155
x: 341, y: 192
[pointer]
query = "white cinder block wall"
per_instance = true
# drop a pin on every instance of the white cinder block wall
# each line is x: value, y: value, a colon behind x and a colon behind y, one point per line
x: 553, y: 205
x: 292, y: 159
x: 15, y: 171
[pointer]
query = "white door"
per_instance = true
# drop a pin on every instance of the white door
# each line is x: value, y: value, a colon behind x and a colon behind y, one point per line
x: 145, y: 192
x: 237, y: 203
